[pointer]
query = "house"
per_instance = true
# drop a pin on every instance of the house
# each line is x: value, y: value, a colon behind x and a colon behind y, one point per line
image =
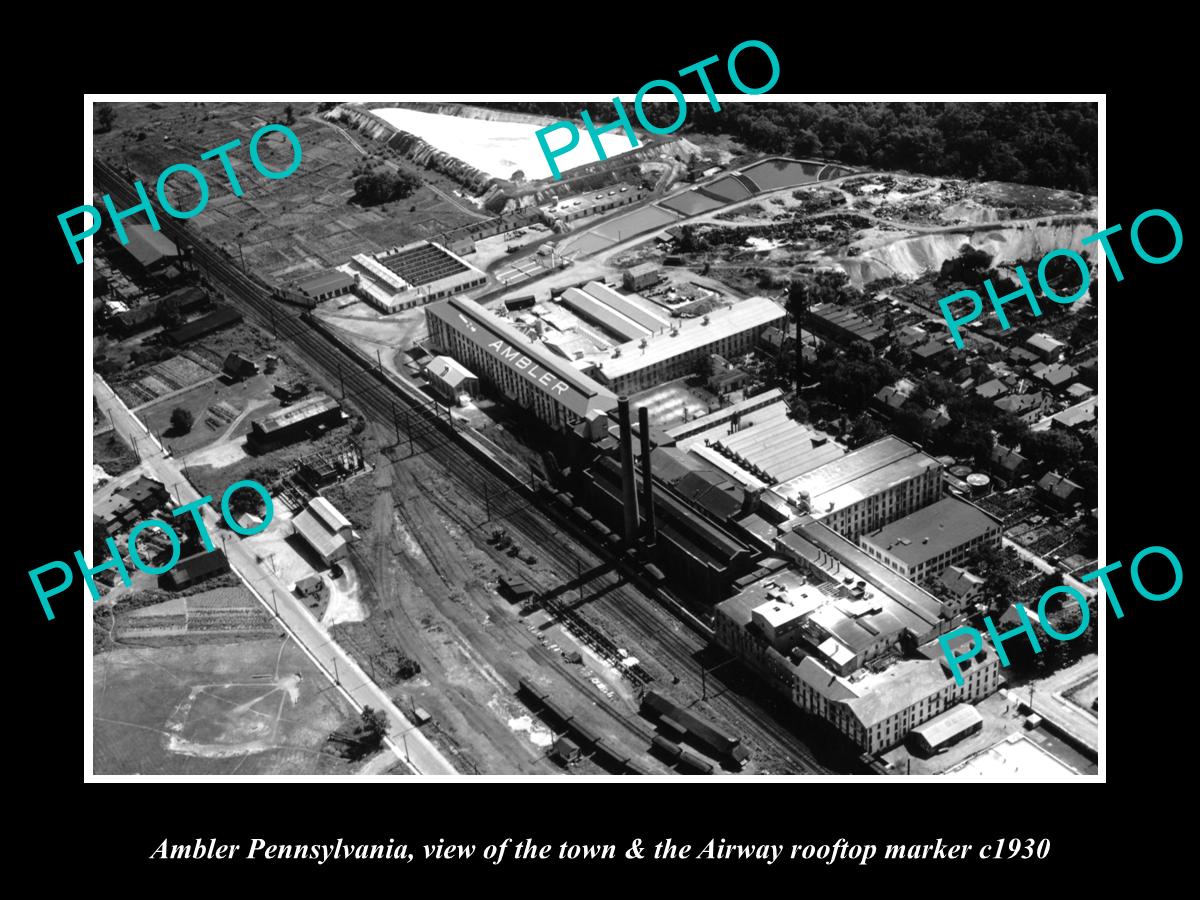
x: 641, y: 276
x: 963, y: 585
x: 324, y: 529
x: 145, y: 494
x: 1026, y: 407
x: 1009, y: 465
x: 932, y: 354
x: 310, y: 586
x: 450, y: 380
x: 1060, y: 492
x: 1046, y: 348
x: 151, y: 250
x: 238, y: 367
x: 1077, y: 418
x: 890, y: 398
x: 1021, y: 357
x: 1057, y: 376
x: 992, y: 390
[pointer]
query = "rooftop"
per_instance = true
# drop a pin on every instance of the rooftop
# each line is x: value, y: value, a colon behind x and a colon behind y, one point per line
x: 859, y: 474
x: 943, y: 727
x: 148, y: 246
x: 327, y: 514
x: 690, y: 335
x: 929, y: 532
x: 499, y: 337
x: 860, y: 326
x: 313, y: 405
x: 323, y: 282
x: 914, y: 607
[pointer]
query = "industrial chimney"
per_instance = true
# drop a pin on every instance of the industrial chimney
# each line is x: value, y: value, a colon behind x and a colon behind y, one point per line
x: 647, y: 481
x: 628, y: 488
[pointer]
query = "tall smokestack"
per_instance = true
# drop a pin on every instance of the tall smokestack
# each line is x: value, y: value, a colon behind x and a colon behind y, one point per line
x: 629, y: 490
x: 647, y: 481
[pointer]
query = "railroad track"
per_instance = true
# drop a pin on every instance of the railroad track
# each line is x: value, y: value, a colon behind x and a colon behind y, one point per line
x: 381, y: 400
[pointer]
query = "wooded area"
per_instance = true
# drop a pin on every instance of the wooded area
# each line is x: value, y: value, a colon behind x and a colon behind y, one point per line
x: 1049, y: 144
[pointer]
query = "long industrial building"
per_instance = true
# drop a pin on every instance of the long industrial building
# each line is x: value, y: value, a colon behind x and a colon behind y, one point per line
x: 632, y: 367
x: 409, y: 276
x: 525, y: 371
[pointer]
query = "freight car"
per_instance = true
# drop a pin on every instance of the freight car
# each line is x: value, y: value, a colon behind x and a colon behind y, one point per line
x: 707, y: 736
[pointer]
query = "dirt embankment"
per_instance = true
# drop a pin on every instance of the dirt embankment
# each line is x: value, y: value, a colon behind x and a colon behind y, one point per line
x: 912, y: 257
x: 414, y: 148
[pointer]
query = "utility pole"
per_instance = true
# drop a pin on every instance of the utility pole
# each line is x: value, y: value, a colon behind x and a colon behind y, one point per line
x: 275, y: 602
x: 487, y: 501
x: 342, y: 379
x: 408, y: 428
x: 336, y: 677
x: 274, y: 327
x: 379, y: 357
x: 395, y: 421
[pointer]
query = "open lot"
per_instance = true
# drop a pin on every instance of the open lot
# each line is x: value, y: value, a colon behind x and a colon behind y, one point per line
x: 290, y: 226
x: 256, y: 707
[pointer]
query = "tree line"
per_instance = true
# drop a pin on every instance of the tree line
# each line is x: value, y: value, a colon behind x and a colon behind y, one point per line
x: 1049, y: 144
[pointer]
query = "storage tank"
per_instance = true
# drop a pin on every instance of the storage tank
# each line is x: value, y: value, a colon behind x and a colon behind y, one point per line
x: 979, y: 482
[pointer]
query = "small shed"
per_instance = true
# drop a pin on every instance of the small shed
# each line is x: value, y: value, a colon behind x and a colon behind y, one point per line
x: 308, y: 587
x: 238, y: 367
x: 951, y: 726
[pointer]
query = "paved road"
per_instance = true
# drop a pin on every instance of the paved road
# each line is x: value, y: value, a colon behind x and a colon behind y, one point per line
x: 404, y: 739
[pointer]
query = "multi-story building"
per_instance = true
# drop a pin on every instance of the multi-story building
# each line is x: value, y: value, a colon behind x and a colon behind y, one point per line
x: 925, y: 543
x: 867, y: 488
x: 850, y: 640
x: 656, y: 358
x: 521, y: 368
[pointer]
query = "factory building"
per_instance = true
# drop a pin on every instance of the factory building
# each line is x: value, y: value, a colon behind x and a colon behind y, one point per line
x: 324, y: 286
x: 577, y: 206
x: 524, y: 371
x: 842, y: 325
x: 220, y: 317
x: 413, y: 275
x: 650, y: 361
x: 849, y: 640
x: 324, y: 529
x: 863, y: 490
x: 309, y: 417
x: 925, y: 543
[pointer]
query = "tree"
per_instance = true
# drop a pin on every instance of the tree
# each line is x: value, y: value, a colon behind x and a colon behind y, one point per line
x: 181, y: 420
x: 865, y: 430
x: 374, y: 725
x: 289, y: 115
x: 1057, y: 450
x: 374, y: 188
x: 105, y: 116
x: 970, y: 266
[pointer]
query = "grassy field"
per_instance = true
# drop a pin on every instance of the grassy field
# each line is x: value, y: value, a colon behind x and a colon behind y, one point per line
x: 286, y: 226
x: 112, y: 454
x: 252, y: 708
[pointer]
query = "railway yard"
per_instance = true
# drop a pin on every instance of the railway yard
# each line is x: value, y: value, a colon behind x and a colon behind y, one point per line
x: 485, y: 586
x: 436, y: 585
